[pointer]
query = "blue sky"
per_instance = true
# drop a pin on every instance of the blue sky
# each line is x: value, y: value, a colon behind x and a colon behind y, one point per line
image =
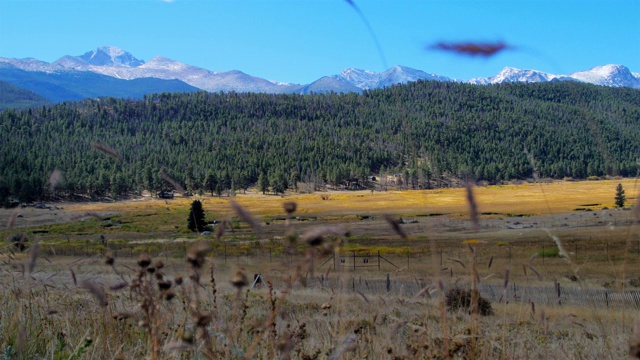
x: 300, y: 41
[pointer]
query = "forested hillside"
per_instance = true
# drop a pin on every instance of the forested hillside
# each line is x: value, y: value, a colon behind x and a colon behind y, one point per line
x: 426, y: 132
x: 16, y: 98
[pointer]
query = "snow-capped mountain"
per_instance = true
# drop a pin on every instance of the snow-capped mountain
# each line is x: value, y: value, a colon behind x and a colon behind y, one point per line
x: 607, y: 75
x: 116, y: 63
x: 329, y: 84
x: 509, y: 74
x: 403, y: 74
x: 362, y: 79
x: 110, y: 56
x: 366, y: 79
x: 356, y: 80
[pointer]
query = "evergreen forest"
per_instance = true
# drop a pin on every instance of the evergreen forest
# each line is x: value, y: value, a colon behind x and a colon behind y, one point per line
x: 425, y: 134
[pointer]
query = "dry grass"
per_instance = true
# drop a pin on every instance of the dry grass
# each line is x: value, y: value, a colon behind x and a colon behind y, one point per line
x: 189, y: 301
x: 215, y: 319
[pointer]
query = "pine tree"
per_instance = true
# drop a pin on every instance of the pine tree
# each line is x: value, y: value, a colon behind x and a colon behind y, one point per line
x: 196, y: 221
x: 620, y: 197
x: 263, y: 183
x: 278, y: 182
x: 210, y: 182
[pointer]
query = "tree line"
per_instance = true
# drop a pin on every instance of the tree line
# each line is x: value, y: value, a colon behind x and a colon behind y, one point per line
x: 423, y: 134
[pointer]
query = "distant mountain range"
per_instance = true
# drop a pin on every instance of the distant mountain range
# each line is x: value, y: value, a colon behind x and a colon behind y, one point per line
x: 110, y: 71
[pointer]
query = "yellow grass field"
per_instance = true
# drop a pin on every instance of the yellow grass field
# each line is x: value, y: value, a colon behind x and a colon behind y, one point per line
x: 529, y: 198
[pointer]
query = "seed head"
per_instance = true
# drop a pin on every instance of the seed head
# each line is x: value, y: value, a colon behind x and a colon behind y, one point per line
x: 239, y: 279
x: 202, y: 320
x: 195, y: 255
x: 290, y: 207
x: 164, y: 285
x: 169, y: 295
x: 144, y: 261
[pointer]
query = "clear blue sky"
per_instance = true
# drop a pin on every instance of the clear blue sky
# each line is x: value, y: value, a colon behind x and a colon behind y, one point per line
x: 301, y: 40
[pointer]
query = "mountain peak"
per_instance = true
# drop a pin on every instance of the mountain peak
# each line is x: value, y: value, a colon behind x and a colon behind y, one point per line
x: 398, y: 74
x: 110, y: 56
x: 363, y: 79
x: 511, y: 74
x: 608, y: 75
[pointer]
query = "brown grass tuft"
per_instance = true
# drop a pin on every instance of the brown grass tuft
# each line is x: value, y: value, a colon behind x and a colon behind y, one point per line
x: 245, y: 216
x: 473, y: 205
x: 33, y: 255
x: 96, y: 291
x: 196, y: 254
x: 55, y: 179
x: 395, y: 225
x: 106, y: 150
x: 471, y: 48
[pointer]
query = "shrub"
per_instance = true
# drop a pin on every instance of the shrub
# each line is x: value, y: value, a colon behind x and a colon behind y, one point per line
x: 19, y: 241
x: 457, y: 298
x: 548, y: 252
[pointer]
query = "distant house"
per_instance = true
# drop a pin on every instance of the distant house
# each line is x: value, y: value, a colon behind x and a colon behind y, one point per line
x: 165, y: 194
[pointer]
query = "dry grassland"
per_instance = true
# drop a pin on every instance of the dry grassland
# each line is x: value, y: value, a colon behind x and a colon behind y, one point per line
x: 194, y: 299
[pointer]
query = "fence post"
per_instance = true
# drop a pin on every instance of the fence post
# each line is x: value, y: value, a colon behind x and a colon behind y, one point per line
x: 378, y: 260
x: 354, y: 262
x: 388, y: 283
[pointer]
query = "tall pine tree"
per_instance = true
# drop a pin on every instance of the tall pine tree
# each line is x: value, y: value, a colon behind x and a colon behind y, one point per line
x: 196, y: 221
x: 620, y: 197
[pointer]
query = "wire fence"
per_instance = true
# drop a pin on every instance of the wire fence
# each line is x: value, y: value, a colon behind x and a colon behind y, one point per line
x: 548, y: 295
